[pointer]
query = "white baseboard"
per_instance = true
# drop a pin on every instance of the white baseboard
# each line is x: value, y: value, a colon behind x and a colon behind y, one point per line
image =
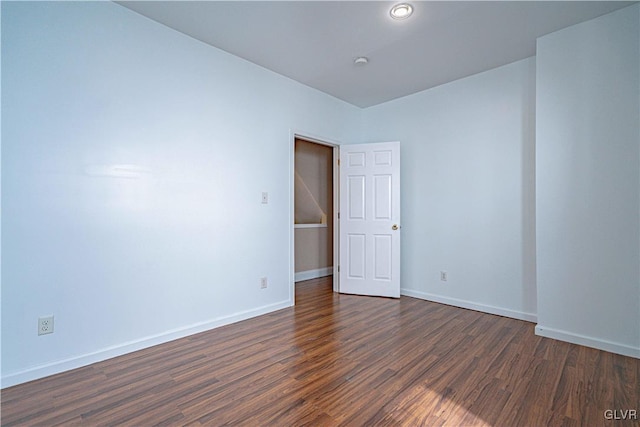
x: 529, y: 317
x: 313, y: 274
x: 56, y: 367
x: 586, y: 341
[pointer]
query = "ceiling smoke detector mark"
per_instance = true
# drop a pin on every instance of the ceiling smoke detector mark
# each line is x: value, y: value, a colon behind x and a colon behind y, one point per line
x: 401, y: 11
x: 361, y: 60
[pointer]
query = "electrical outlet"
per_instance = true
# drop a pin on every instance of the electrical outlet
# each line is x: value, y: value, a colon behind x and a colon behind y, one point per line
x: 263, y: 283
x: 45, y: 325
x: 443, y: 276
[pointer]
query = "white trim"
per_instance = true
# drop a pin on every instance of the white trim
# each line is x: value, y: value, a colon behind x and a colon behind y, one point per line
x: 520, y: 315
x: 336, y: 218
x: 586, y: 341
x: 56, y: 367
x: 313, y: 274
x: 309, y: 226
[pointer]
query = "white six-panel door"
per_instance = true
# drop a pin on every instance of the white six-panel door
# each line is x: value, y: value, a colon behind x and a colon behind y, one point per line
x: 370, y: 219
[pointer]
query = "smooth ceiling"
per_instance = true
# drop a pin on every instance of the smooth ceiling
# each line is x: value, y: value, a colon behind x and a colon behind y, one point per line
x: 315, y: 43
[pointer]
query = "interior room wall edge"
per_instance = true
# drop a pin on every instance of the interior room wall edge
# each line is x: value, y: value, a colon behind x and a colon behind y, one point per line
x: 471, y: 305
x: 45, y: 370
x: 587, y: 341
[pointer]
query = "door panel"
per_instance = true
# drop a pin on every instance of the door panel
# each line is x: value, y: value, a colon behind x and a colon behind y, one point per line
x: 382, y: 194
x: 357, y: 195
x: 356, y: 253
x: 369, y: 219
x: 383, y: 257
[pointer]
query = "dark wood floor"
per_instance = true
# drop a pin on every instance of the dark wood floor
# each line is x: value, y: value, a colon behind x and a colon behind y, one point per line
x: 341, y: 359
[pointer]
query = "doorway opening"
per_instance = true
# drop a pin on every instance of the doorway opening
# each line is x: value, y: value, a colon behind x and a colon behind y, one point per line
x: 315, y: 205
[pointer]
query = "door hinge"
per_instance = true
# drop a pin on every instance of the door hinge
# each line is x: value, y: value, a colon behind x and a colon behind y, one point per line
x: 338, y: 215
x: 338, y: 269
x: 338, y: 162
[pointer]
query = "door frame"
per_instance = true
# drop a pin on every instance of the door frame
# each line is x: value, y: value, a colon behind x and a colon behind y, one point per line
x: 335, y: 145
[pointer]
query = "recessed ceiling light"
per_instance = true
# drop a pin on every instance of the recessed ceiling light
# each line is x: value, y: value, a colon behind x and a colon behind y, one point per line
x: 401, y: 11
x: 361, y: 60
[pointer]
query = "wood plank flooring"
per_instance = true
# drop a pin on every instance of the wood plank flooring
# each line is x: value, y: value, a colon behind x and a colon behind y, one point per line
x: 344, y: 360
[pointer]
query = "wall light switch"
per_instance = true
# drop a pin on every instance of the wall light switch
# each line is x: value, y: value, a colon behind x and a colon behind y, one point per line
x: 265, y: 197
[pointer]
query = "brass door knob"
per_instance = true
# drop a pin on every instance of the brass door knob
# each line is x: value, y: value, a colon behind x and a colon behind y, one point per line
x: 394, y: 227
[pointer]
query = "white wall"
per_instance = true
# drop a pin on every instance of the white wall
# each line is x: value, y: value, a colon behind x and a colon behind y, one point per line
x: 588, y: 186
x: 177, y: 241
x: 468, y: 189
